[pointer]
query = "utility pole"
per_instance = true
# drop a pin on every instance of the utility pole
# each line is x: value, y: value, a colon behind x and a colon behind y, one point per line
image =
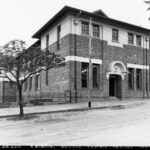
x: 90, y: 64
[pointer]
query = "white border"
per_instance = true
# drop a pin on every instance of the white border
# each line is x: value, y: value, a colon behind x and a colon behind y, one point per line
x: 82, y: 59
x: 138, y: 66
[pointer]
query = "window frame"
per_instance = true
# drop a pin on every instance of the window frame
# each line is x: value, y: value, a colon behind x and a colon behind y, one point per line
x: 139, y: 43
x: 131, y: 79
x: 84, y: 67
x: 138, y: 79
x: 47, y: 42
x: 98, y: 76
x: 130, y: 40
x: 84, y: 29
x: 115, y: 36
x: 46, y: 76
x: 96, y: 33
x: 26, y: 85
x: 30, y: 83
x: 59, y: 37
x: 37, y: 82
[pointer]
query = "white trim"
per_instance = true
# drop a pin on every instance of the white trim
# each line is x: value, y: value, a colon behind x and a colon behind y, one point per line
x: 138, y: 66
x: 82, y: 59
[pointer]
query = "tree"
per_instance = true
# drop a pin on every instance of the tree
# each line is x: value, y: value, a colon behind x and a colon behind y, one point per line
x: 17, y: 63
x: 148, y: 3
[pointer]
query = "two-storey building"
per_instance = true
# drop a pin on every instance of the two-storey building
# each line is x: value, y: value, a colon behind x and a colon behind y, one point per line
x: 120, y: 58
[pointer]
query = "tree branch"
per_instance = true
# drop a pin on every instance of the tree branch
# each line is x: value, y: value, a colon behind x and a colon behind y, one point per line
x: 5, y: 74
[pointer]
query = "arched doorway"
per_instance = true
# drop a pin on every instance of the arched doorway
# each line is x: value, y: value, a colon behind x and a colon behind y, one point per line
x: 115, y: 75
x: 115, y: 86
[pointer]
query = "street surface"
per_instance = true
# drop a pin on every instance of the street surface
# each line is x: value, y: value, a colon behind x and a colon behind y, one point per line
x: 108, y: 127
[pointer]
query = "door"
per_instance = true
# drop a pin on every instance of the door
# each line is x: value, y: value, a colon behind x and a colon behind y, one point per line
x: 118, y: 87
x: 112, y: 86
x: 115, y: 87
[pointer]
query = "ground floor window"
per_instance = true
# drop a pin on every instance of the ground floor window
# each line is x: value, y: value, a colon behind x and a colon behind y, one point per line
x: 131, y: 78
x: 37, y: 82
x: 96, y: 74
x: 138, y: 79
x: 46, y: 76
x: 25, y: 85
x: 30, y: 83
x: 84, y: 75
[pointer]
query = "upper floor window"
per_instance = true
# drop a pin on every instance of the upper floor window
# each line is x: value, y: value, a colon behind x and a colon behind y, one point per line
x: 95, y: 30
x: 138, y: 40
x: 85, y: 28
x: 115, y: 35
x: 47, y: 42
x: 58, y: 37
x: 130, y: 38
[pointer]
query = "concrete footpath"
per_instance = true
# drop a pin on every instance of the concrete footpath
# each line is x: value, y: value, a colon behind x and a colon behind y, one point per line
x: 82, y: 106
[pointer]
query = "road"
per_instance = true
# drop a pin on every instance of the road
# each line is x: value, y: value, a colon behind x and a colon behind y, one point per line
x: 109, y: 127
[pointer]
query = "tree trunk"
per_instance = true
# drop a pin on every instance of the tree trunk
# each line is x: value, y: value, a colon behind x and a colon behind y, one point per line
x: 20, y: 101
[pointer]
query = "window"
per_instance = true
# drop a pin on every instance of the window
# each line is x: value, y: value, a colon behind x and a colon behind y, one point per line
x: 85, y: 28
x: 138, y: 40
x: 115, y: 35
x: 130, y: 38
x: 95, y: 76
x: 95, y: 30
x: 131, y: 78
x: 11, y: 84
x: 138, y: 79
x: 30, y: 83
x: 84, y: 75
x: 25, y: 85
x: 58, y: 37
x: 37, y: 82
x: 47, y: 42
x: 46, y: 74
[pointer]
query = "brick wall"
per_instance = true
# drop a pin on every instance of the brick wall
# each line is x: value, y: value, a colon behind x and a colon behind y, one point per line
x: 65, y: 83
x: 101, y: 50
x: 58, y: 78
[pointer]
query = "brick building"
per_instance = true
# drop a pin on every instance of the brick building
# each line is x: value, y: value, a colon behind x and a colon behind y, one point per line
x: 120, y: 59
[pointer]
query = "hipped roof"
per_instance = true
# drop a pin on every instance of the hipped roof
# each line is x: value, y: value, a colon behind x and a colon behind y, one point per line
x: 74, y: 11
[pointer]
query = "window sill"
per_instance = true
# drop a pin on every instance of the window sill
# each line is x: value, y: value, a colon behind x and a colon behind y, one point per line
x: 131, y: 44
x: 131, y: 90
x: 91, y: 36
x: 85, y: 35
x: 138, y: 46
x: 96, y: 37
x: 115, y: 41
x: 139, y: 90
x: 37, y: 90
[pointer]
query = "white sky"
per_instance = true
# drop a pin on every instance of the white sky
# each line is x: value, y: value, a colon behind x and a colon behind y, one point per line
x: 20, y: 19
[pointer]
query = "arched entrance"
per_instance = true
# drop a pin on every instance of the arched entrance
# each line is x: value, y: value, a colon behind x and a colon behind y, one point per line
x: 115, y: 86
x: 115, y: 75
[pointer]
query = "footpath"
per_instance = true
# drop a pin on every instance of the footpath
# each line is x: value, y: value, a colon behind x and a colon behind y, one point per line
x: 82, y: 106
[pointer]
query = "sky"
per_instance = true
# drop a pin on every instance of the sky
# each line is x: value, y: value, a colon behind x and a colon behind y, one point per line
x: 20, y: 19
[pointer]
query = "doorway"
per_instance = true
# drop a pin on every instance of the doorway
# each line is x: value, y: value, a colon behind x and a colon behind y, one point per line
x: 115, y: 86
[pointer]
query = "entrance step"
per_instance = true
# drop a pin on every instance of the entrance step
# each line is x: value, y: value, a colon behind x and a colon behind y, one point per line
x: 114, y: 98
